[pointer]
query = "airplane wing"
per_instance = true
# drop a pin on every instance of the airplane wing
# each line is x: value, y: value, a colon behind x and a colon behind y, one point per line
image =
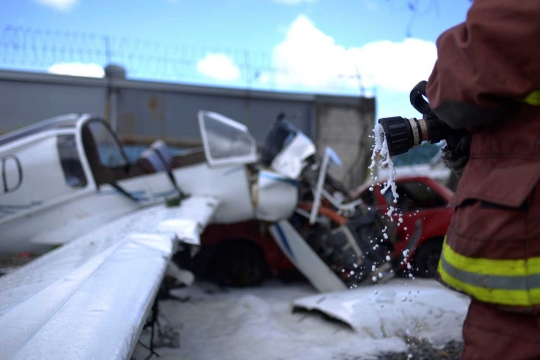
x: 90, y: 298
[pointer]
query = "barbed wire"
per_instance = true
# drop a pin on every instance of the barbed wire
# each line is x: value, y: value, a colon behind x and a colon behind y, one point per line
x: 39, y: 49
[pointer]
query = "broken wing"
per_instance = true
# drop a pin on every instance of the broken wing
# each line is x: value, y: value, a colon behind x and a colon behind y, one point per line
x: 90, y: 298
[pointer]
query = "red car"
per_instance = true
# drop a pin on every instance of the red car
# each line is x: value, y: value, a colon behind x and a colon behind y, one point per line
x: 241, y: 254
x: 419, y: 197
x: 245, y: 253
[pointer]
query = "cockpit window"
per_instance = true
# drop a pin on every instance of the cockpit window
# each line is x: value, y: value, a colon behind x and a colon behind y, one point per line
x: 70, y: 161
x: 109, y: 152
x: 280, y: 133
x: 226, y: 142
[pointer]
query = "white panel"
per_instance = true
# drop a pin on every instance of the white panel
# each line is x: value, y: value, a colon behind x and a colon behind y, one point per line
x: 230, y: 185
x: 417, y: 308
x: 304, y: 258
x: 40, y: 168
x: 290, y: 161
x: 277, y: 196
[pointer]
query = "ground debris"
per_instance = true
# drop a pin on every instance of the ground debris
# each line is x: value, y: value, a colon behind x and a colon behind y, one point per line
x: 423, y: 350
x: 12, y: 263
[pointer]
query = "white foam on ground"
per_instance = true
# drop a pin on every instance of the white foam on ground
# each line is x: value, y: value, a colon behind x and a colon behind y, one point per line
x: 258, y: 323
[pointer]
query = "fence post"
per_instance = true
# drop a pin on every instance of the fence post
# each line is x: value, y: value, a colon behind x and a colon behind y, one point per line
x: 113, y: 73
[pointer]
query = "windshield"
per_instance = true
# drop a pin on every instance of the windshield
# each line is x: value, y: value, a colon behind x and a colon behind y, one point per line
x: 280, y: 133
x: 110, y: 153
x: 226, y: 140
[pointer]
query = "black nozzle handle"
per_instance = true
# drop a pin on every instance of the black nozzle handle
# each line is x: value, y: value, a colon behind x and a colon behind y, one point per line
x: 398, y: 133
x: 417, y: 98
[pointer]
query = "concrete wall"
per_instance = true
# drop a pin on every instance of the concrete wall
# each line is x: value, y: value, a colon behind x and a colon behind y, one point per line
x: 345, y: 126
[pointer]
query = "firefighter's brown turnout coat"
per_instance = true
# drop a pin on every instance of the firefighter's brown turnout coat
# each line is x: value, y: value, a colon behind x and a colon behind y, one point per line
x: 486, y: 79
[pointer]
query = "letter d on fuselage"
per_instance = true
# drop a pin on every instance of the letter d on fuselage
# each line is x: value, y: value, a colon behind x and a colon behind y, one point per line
x: 11, y: 174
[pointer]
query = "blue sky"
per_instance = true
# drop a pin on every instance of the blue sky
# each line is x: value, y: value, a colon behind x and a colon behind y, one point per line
x: 320, y: 46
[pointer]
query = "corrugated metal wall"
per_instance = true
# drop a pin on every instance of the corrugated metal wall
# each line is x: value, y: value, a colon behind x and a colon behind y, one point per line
x: 147, y: 111
x: 173, y: 115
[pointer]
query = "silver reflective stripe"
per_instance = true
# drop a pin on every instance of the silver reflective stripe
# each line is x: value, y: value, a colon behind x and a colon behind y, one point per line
x: 524, y: 283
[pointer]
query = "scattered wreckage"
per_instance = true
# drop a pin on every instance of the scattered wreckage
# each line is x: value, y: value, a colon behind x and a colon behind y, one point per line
x: 330, y: 230
x: 67, y: 180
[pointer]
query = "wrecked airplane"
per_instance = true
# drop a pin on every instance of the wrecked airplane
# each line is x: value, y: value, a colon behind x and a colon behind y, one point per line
x: 82, y: 180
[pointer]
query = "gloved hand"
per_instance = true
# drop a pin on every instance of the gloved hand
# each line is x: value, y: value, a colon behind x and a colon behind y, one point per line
x: 456, y: 153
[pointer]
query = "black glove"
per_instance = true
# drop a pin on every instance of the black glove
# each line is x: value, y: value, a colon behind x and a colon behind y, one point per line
x: 456, y: 153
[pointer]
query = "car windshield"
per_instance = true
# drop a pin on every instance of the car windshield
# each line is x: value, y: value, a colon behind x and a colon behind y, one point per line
x: 415, y: 195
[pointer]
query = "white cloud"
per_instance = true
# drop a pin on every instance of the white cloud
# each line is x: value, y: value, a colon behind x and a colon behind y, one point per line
x: 396, y: 66
x: 61, y: 5
x: 308, y: 57
x: 77, y: 69
x: 218, y: 66
x: 294, y: 2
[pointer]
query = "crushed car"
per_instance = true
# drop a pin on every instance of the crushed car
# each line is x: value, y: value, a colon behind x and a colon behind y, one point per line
x: 331, y: 229
x: 419, y: 198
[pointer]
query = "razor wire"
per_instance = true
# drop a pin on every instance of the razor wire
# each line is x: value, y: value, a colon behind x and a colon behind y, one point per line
x: 38, y: 49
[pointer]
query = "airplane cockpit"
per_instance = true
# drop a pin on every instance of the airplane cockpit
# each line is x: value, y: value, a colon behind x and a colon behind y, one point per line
x: 74, y: 167
x: 106, y: 157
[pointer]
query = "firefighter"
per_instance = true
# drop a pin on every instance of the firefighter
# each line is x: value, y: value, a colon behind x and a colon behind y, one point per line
x: 486, y: 79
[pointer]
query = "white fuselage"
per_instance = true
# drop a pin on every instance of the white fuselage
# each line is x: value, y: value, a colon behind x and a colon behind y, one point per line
x: 41, y: 206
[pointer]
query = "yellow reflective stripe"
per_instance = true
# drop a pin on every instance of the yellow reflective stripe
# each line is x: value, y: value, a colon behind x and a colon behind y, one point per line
x: 533, y: 98
x: 505, y: 282
x: 496, y: 296
x: 491, y: 267
x: 533, y: 264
